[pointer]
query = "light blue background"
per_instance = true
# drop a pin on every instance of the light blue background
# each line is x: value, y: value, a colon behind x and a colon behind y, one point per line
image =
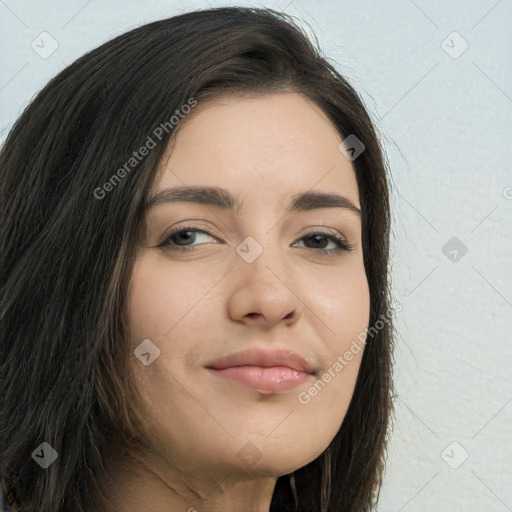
x: 446, y: 125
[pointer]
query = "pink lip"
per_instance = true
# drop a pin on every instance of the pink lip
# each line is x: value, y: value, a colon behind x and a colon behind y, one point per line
x: 278, y: 370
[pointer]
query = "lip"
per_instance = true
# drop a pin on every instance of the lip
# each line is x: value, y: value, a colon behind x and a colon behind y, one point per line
x: 268, y: 371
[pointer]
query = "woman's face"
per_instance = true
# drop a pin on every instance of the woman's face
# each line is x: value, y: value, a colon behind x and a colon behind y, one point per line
x: 254, y: 284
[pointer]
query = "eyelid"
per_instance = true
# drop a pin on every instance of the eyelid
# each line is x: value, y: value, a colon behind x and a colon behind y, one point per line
x: 173, y: 229
x: 192, y: 226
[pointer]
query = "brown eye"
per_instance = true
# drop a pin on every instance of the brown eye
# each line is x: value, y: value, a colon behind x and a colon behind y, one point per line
x: 319, y: 238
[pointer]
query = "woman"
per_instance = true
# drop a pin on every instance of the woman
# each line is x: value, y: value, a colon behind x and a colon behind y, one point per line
x: 194, y: 254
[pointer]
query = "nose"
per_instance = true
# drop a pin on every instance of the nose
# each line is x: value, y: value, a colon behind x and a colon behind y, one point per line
x: 262, y: 291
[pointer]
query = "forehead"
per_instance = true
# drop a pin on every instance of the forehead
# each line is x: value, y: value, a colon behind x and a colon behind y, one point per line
x: 260, y: 148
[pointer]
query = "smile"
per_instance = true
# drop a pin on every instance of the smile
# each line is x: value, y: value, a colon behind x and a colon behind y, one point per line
x: 269, y: 379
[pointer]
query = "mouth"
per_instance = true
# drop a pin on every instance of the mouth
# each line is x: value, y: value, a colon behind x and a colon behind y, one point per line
x: 264, y: 371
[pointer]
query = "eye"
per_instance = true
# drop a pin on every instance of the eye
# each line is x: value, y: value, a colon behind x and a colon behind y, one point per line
x: 316, y: 237
x: 182, y: 239
x: 178, y: 239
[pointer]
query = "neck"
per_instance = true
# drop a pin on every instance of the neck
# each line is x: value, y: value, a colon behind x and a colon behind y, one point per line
x: 151, y: 485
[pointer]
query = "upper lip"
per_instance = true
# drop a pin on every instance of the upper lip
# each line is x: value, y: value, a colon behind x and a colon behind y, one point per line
x: 263, y: 358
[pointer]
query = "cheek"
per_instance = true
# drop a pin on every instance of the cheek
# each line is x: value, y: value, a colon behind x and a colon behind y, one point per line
x: 160, y: 298
x: 343, y: 302
x: 345, y: 309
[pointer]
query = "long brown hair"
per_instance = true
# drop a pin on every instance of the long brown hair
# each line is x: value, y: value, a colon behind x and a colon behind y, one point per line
x: 67, y: 250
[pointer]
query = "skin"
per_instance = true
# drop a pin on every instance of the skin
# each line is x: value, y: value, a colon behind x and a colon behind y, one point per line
x: 201, y: 305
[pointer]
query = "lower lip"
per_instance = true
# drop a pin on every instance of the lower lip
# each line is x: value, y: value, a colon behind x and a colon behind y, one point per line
x: 275, y: 378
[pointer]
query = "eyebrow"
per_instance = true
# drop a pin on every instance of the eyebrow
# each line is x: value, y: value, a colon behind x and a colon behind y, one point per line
x: 222, y: 198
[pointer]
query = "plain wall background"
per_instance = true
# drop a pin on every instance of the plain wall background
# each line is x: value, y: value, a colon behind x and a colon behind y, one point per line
x: 445, y: 116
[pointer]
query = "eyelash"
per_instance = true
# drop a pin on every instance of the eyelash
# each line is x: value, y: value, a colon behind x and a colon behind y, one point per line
x: 343, y: 246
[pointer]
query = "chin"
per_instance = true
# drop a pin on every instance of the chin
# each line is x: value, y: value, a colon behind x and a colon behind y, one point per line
x: 277, y: 458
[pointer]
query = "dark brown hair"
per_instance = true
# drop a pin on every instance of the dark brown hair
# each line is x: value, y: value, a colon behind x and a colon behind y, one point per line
x: 66, y: 255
